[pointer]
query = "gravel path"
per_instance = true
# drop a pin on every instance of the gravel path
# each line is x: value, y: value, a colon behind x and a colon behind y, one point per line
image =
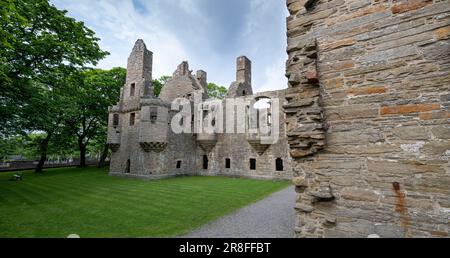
x: 272, y: 217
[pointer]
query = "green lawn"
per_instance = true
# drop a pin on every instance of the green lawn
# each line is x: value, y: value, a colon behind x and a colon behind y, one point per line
x: 90, y: 203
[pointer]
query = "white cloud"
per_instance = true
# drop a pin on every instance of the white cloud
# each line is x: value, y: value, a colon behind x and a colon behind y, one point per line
x: 119, y: 25
x: 181, y: 30
x: 266, y: 39
x: 274, y: 78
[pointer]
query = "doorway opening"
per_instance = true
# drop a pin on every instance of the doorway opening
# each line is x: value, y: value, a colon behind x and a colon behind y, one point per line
x: 279, y: 164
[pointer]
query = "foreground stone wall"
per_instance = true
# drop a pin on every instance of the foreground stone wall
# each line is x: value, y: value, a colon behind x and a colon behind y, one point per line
x: 368, y: 117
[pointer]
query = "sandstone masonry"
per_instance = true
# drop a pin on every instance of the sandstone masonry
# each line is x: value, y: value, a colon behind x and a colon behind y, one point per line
x: 368, y: 117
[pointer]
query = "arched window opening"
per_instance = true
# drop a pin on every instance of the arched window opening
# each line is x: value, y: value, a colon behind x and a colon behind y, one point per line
x: 279, y: 164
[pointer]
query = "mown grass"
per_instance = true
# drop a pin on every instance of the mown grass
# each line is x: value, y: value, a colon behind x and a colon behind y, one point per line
x: 90, y: 203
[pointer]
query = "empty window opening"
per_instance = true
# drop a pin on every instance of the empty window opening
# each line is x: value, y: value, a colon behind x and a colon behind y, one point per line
x: 132, y: 89
x: 153, y: 114
x: 128, y: 167
x: 179, y: 164
x: 244, y: 92
x: 132, y: 119
x: 279, y: 164
x: 116, y: 120
x: 252, y: 164
x: 205, y: 162
x: 227, y: 163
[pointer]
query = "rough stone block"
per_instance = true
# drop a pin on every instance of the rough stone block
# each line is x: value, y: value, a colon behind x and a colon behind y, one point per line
x: 338, y: 44
x: 411, y: 133
x: 434, y: 115
x: 408, y: 109
x: 367, y: 91
x: 410, y: 5
x: 361, y: 195
x: 441, y: 132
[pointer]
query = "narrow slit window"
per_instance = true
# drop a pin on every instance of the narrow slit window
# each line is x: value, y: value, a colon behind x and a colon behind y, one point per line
x: 116, y: 120
x: 132, y: 119
x: 179, y: 164
x: 205, y: 162
x: 132, y: 89
x: 128, y: 167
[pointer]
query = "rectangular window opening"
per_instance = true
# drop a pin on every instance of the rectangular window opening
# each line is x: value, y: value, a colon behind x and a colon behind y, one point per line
x: 205, y: 162
x: 279, y: 164
x: 116, y: 120
x: 132, y: 89
x: 227, y: 163
x: 132, y: 119
x: 252, y: 164
x: 153, y: 114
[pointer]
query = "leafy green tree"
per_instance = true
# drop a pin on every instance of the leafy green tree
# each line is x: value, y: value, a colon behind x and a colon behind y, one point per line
x: 41, y: 48
x: 158, y: 84
x: 216, y: 92
x: 44, y: 112
x: 38, y: 40
x: 91, y: 94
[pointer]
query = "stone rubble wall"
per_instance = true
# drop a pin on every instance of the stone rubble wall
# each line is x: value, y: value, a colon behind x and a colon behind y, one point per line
x: 368, y: 117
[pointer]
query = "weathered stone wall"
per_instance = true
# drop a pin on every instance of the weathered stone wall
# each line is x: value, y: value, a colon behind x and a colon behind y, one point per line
x: 373, y: 156
x: 238, y: 149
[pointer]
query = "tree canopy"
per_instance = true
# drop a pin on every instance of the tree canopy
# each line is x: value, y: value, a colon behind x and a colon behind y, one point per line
x: 40, y: 46
x: 158, y: 84
x: 216, y: 92
x: 92, y: 92
x: 41, y: 50
x: 51, y: 99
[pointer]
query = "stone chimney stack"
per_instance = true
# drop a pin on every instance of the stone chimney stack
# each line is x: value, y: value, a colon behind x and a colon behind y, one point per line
x: 244, y: 70
x: 182, y: 69
x: 139, y: 72
x: 202, y: 78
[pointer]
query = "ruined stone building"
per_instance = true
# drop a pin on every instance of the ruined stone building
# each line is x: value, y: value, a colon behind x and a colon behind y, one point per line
x: 365, y: 130
x: 144, y: 145
x: 368, y: 118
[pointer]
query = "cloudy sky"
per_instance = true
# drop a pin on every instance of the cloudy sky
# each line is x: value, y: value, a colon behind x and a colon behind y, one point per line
x: 210, y: 34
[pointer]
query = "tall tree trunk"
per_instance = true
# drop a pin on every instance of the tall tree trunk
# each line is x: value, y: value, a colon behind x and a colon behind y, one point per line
x: 43, y: 149
x: 101, y: 162
x: 82, y: 148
